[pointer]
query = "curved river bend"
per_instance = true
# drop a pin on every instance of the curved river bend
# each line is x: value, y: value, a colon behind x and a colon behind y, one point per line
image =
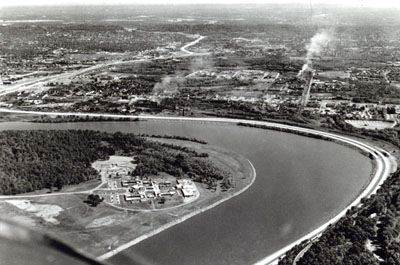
x: 301, y: 183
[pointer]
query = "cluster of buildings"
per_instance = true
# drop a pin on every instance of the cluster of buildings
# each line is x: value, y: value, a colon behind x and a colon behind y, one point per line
x: 123, y: 188
x: 240, y: 75
x: 118, y: 92
x: 357, y: 111
x: 145, y: 189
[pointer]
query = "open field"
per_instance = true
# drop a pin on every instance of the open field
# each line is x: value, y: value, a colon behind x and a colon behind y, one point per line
x: 371, y: 125
x: 333, y: 74
x: 97, y: 230
x: 203, y: 63
x: 380, y: 175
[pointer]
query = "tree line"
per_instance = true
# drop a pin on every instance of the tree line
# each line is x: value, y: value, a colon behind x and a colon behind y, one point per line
x: 37, y: 159
x: 176, y: 137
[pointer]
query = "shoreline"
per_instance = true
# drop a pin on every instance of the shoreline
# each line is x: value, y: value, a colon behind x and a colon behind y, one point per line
x: 382, y: 170
x: 115, y: 251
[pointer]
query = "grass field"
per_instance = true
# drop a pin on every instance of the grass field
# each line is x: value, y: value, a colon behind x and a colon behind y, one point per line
x: 97, y: 230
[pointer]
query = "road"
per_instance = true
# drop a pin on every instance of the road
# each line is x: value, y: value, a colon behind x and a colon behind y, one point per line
x: 53, y: 194
x: 301, y: 254
x: 384, y: 165
x: 179, y: 220
x: 8, y: 89
x: 383, y: 168
x: 30, y: 84
x: 184, y: 48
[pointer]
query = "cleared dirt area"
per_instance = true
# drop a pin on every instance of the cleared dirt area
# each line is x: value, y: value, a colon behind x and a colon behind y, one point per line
x: 371, y: 125
x: 121, y: 160
x: 46, y: 212
x: 101, y: 229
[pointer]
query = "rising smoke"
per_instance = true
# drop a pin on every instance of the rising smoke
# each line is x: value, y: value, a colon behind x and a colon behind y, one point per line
x: 317, y: 43
x: 171, y: 84
x: 201, y: 63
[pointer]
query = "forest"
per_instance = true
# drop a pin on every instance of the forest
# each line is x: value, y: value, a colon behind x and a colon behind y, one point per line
x: 33, y: 160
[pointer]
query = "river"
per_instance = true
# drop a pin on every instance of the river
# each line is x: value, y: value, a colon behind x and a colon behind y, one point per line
x: 301, y: 183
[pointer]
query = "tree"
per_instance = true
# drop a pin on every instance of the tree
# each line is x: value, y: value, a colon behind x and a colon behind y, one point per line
x: 94, y: 200
x: 162, y: 200
x: 59, y: 183
x: 49, y: 185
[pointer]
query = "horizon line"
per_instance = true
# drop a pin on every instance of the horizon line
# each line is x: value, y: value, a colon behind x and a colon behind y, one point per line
x: 199, y: 4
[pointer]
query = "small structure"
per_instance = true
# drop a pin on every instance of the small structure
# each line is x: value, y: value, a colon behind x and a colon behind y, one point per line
x: 187, y: 192
x: 187, y: 187
x: 132, y: 197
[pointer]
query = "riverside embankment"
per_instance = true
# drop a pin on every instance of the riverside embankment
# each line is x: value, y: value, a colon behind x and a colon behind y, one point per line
x: 302, y: 183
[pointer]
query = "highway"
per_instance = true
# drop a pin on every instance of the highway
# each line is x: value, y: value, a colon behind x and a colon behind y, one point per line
x: 384, y: 165
x: 30, y: 84
x: 184, y: 48
x: 8, y: 89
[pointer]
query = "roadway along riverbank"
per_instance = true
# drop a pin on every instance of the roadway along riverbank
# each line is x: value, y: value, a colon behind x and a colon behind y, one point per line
x: 383, y: 163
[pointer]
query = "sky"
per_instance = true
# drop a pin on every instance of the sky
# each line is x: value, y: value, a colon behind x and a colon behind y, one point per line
x: 357, y: 3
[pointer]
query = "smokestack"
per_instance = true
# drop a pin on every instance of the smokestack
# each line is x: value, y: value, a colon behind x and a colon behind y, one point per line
x: 317, y: 43
x: 306, y: 93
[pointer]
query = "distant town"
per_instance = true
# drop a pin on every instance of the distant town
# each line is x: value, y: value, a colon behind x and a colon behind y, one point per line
x: 101, y: 107
x: 182, y: 69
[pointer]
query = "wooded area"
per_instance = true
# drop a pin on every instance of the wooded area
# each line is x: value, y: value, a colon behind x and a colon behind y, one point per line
x: 33, y: 160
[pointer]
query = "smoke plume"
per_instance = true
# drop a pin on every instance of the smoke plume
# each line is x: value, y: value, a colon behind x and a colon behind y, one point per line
x: 201, y: 63
x: 168, y: 85
x: 171, y: 84
x: 317, y: 43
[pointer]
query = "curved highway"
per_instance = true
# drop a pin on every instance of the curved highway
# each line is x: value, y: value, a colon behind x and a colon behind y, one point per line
x: 382, y: 171
x: 184, y: 48
x: 27, y: 85
x: 383, y: 163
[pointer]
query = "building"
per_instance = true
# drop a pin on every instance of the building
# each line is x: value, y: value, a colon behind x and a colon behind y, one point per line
x: 187, y: 193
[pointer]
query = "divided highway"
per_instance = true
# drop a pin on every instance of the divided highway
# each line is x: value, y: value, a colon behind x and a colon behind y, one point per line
x: 384, y: 165
x: 30, y: 84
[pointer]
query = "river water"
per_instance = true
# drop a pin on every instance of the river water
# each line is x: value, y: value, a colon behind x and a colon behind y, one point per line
x: 301, y: 183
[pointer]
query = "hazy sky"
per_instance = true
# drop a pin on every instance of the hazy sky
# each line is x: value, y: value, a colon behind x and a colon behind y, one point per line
x: 358, y: 3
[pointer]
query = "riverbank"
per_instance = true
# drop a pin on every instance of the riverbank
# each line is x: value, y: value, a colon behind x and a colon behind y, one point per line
x: 385, y: 164
x: 219, y: 157
x: 104, y: 228
x: 366, y: 147
x: 177, y: 221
